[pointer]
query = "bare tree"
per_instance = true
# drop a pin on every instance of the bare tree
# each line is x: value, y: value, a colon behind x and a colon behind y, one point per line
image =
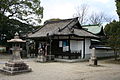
x: 81, y: 12
x: 99, y: 18
x: 88, y: 17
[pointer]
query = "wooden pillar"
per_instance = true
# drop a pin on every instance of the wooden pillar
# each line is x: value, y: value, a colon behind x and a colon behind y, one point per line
x: 27, y: 47
x: 36, y: 48
x: 50, y: 44
x: 69, y: 44
x: 69, y: 47
x: 84, y: 48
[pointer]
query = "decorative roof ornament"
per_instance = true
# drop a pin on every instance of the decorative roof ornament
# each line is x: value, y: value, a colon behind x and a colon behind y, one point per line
x: 16, y: 38
x: 16, y: 35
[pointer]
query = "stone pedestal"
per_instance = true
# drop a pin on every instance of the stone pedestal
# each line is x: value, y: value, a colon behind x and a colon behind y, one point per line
x: 41, y: 59
x: 13, y: 67
x: 93, y: 59
x: 16, y: 65
x: 16, y: 53
x: 45, y: 58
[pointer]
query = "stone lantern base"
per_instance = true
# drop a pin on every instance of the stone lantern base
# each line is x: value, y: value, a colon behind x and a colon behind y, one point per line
x: 41, y: 58
x: 93, y: 61
x: 14, y: 67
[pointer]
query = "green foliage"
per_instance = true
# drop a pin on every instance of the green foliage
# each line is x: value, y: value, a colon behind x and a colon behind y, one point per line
x: 112, y: 31
x: 9, y: 26
x: 36, y: 27
x: 24, y: 10
x: 118, y: 7
x: 18, y: 16
x: 53, y: 19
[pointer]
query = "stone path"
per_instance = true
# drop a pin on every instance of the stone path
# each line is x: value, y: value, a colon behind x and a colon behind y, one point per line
x: 66, y: 71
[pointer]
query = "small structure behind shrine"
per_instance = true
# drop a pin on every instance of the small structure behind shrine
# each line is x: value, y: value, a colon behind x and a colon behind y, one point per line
x: 16, y: 65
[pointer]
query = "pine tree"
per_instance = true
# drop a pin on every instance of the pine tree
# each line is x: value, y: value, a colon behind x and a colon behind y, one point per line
x: 118, y: 7
x: 112, y: 31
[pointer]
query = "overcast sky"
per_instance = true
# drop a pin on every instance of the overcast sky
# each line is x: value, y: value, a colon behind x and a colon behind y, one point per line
x: 65, y: 9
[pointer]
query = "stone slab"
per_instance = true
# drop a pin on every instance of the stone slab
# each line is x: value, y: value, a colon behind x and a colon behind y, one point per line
x: 14, y: 72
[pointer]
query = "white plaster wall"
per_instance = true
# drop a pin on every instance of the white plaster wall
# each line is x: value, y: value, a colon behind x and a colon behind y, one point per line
x: 87, y: 45
x: 76, y: 46
x: 104, y: 53
x: 80, y: 46
x: 101, y: 53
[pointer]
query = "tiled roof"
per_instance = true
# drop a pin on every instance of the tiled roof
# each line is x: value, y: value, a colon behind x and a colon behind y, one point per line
x: 62, y: 27
x: 95, y: 29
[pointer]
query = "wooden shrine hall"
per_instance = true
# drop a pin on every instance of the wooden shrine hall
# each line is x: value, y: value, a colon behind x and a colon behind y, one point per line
x: 63, y: 38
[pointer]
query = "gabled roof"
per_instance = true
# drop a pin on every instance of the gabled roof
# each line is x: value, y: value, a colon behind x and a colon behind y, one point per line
x: 62, y: 27
x: 95, y: 29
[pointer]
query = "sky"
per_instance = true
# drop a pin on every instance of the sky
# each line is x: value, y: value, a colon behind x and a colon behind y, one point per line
x: 65, y: 9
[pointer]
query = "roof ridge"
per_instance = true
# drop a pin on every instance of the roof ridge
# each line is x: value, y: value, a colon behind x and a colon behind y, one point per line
x: 90, y: 25
x: 48, y: 22
x: 91, y: 33
x: 73, y: 19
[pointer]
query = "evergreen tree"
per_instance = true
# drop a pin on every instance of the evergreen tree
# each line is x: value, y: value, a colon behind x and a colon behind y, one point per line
x: 118, y: 7
x: 18, y: 16
x: 112, y: 31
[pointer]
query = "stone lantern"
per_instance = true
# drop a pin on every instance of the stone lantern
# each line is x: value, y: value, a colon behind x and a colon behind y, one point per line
x: 16, y: 65
x: 16, y: 47
x: 93, y: 59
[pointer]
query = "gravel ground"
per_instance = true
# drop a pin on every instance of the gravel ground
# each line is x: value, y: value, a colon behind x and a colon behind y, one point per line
x: 66, y: 71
